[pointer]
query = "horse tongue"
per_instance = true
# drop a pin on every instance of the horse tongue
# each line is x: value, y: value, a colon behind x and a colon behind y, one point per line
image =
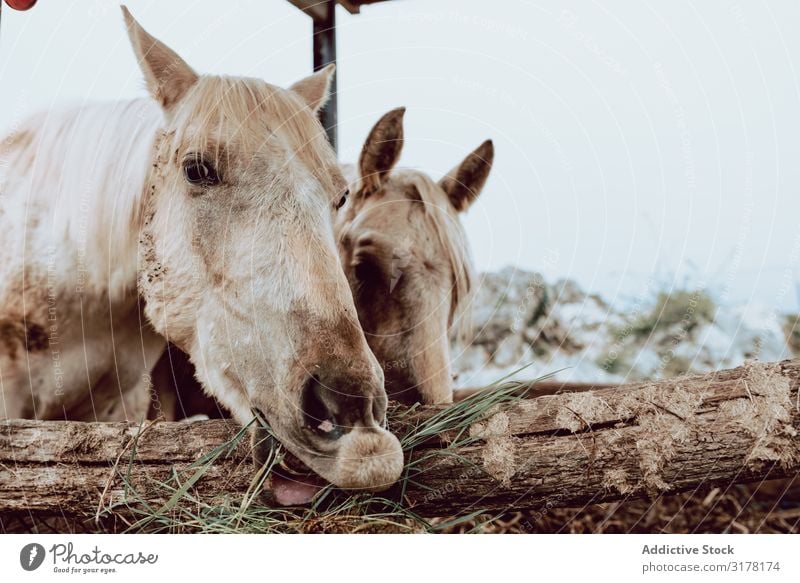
x: 289, y: 492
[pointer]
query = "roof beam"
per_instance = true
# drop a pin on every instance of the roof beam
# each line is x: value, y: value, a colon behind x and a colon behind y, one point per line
x: 316, y: 9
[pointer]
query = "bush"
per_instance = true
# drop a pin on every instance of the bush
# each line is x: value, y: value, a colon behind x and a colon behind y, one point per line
x: 689, y: 309
x: 791, y: 327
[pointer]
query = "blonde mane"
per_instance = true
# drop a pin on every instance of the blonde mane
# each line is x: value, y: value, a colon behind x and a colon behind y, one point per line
x: 85, y: 183
x: 82, y: 188
x: 444, y: 221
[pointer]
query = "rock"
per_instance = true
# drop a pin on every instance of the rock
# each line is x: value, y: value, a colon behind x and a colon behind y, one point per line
x: 519, y: 320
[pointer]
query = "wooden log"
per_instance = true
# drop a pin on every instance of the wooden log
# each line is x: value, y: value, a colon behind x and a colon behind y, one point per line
x: 539, y: 388
x: 558, y: 450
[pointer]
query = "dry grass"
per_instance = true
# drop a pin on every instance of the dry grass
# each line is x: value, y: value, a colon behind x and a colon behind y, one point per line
x: 771, y: 507
x: 332, y: 510
x: 768, y: 507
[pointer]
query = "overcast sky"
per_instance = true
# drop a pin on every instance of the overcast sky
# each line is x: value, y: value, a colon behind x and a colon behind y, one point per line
x: 635, y: 141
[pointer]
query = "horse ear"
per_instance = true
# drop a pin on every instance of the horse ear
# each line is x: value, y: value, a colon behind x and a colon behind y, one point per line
x: 168, y: 76
x: 463, y: 183
x: 381, y: 150
x: 314, y: 88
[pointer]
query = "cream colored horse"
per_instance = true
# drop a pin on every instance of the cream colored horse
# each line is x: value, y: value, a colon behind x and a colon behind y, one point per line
x: 203, y: 216
x: 407, y: 261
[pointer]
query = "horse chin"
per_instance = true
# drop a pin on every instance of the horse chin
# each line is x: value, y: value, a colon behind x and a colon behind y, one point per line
x: 366, y: 459
x: 371, y: 462
x: 363, y: 459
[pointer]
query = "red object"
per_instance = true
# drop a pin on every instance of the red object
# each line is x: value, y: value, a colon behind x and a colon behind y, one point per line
x: 21, y: 4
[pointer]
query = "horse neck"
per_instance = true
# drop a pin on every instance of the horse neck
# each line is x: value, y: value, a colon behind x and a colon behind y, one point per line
x: 89, y: 174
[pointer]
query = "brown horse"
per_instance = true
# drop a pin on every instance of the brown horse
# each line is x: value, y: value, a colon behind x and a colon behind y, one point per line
x: 406, y: 257
x: 203, y: 217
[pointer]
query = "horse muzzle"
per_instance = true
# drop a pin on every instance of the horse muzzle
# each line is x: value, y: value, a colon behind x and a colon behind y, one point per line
x: 361, y: 459
x: 336, y: 433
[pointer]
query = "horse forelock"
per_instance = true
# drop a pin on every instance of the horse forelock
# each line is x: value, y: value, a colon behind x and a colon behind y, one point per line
x: 246, y: 113
x: 443, y: 220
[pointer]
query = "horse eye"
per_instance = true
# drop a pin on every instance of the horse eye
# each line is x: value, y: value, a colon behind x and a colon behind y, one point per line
x: 199, y: 172
x: 343, y: 200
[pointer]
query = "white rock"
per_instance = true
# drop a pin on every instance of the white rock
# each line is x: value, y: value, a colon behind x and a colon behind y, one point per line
x: 521, y: 320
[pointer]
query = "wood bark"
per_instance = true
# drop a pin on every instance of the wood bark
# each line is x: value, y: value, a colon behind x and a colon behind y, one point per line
x: 540, y: 388
x: 558, y: 450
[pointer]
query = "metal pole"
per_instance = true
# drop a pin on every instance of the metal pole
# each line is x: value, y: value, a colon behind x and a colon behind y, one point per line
x: 325, y: 53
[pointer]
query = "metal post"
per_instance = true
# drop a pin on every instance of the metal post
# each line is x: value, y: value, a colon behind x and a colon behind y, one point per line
x: 325, y: 53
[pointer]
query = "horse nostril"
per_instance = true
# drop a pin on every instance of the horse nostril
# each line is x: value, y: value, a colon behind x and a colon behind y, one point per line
x: 319, y: 409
